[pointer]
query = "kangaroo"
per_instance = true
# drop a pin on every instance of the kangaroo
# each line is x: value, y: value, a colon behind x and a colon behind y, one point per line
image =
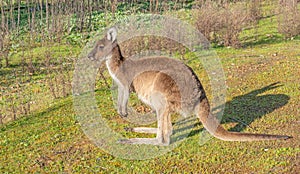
x: 166, y: 85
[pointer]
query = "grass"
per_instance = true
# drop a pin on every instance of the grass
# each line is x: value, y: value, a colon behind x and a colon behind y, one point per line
x: 262, y: 91
x: 52, y: 140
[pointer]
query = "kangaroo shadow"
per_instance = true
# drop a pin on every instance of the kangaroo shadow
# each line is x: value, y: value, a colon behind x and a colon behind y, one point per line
x: 245, y: 109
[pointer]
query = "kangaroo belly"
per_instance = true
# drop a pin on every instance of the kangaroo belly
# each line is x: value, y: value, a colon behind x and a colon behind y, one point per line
x: 156, y: 89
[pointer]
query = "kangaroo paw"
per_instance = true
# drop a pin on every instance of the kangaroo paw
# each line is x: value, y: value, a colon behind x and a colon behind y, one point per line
x: 150, y: 141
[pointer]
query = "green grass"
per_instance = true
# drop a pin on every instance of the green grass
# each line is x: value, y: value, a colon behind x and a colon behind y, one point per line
x: 51, y: 140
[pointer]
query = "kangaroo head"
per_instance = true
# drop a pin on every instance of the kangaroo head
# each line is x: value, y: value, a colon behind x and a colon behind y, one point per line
x: 103, y: 48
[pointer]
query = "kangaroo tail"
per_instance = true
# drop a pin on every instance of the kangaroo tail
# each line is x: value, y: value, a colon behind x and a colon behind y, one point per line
x: 213, y: 126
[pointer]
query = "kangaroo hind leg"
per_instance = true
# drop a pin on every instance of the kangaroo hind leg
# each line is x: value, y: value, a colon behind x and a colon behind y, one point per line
x: 164, y: 124
x: 163, y: 132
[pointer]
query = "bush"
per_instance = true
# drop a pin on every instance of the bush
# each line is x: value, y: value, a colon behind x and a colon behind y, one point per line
x: 207, y: 19
x: 222, y: 23
x: 289, y: 18
x: 233, y: 20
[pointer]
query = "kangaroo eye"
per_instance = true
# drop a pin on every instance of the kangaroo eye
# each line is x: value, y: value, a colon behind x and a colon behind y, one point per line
x: 101, y: 46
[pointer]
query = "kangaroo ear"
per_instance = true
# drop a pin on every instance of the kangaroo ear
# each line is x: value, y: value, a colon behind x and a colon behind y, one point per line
x: 112, y: 34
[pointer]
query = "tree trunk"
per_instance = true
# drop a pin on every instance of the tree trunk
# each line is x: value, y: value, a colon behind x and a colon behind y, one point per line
x: 19, y: 13
x: 82, y: 11
x: 32, y: 29
x: 28, y: 11
x: 90, y: 14
x: 41, y: 9
x: 2, y: 17
x: 47, y: 15
x: 114, y: 7
x: 156, y: 6
x: 52, y: 19
x: 12, y: 19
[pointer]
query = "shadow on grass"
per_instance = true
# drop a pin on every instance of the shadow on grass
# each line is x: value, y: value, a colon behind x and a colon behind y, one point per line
x: 42, y: 116
x: 245, y: 109
x: 263, y: 40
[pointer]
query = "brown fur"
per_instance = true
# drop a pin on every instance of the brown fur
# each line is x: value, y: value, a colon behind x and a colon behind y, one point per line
x: 167, y: 85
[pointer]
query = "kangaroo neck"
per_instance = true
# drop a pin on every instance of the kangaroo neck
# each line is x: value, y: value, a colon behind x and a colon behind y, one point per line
x: 115, y: 61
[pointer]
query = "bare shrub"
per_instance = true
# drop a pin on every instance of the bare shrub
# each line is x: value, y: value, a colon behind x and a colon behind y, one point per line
x: 255, y: 10
x: 58, y: 78
x: 49, y: 79
x: 289, y: 18
x: 5, y: 46
x: 222, y: 23
x: 207, y: 19
x: 233, y: 20
x: 142, y: 44
x: 15, y: 98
